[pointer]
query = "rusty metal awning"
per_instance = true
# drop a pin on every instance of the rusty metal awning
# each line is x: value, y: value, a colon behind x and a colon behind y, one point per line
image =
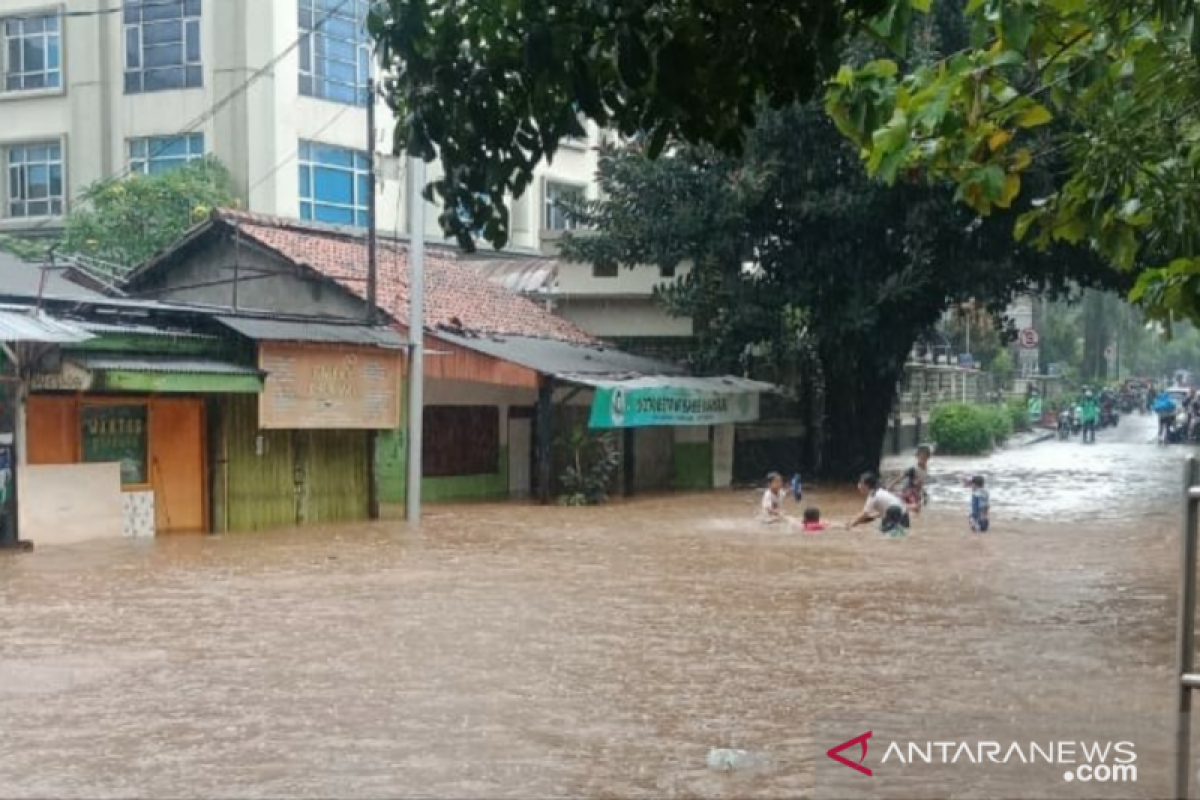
x: 21, y: 324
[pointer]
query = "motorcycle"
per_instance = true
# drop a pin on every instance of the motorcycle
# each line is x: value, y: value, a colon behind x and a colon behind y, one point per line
x: 1077, y: 421
x: 1109, y: 417
x: 1064, y: 425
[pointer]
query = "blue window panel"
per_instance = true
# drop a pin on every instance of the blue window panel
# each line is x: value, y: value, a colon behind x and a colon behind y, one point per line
x: 333, y: 184
x: 35, y: 180
x: 154, y: 155
x: 33, y: 48
x: 162, y: 45
x: 334, y: 50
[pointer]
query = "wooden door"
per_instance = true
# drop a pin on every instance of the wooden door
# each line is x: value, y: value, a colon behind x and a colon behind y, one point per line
x: 177, y: 465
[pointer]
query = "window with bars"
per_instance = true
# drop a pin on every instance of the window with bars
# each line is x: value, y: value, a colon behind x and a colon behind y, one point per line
x: 35, y: 179
x: 162, y: 45
x: 334, y: 184
x: 32, y: 50
x: 152, y: 155
x: 556, y: 217
x: 335, y: 50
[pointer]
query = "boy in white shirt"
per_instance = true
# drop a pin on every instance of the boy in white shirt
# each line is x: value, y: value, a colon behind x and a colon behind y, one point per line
x: 772, y: 501
x: 881, y: 505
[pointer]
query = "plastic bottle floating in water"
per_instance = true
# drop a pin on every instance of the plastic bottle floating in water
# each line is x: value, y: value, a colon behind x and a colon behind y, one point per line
x: 728, y: 760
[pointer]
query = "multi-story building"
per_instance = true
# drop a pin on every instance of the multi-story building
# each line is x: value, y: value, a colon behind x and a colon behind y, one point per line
x: 276, y: 89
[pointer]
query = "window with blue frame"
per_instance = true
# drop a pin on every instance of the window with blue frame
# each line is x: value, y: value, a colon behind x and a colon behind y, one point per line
x: 152, y: 155
x: 162, y: 45
x: 32, y: 53
x: 335, y: 51
x: 35, y: 179
x: 335, y: 184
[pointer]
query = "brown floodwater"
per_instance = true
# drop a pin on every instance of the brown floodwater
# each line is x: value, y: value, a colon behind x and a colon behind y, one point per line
x: 519, y: 651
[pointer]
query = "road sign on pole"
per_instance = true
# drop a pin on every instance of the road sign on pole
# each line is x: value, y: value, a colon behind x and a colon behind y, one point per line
x: 1028, y: 338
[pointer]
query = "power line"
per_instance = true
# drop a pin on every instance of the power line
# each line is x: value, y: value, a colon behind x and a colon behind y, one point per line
x: 283, y: 162
x: 233, y: 94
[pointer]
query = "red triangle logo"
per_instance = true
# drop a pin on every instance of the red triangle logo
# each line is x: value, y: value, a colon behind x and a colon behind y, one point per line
x: 836, y: 753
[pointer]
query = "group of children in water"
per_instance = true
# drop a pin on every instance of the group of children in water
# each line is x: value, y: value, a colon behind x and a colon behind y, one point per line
x: 891, y: 506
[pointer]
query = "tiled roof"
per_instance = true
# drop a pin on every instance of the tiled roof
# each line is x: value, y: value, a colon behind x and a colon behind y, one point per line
x: 456, y: 296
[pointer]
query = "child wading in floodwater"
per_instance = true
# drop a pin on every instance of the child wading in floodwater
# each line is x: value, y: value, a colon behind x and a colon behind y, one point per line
x: 812, y: 521
x: 772, y: 501
x: 979, y: 506
x: 912, y: 482
x: 883, y: 506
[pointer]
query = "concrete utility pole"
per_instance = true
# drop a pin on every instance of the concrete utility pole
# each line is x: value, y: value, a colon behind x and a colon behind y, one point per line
x: 372, y: 239
x: 416, y: 335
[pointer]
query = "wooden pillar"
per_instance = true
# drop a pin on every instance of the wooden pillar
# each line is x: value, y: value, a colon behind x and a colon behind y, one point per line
x: 545, y: 435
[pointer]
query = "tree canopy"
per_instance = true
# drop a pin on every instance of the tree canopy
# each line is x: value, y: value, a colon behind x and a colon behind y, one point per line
x: 491, y: 87
x: 806, y: 270
x: 1105, y: 89
x: 126, y: 220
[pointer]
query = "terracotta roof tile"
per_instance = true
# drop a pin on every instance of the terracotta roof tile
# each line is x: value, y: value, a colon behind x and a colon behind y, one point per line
x: 453, y: 293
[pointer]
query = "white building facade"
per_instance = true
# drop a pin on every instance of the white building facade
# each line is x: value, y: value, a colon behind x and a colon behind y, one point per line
x: 96, y: 89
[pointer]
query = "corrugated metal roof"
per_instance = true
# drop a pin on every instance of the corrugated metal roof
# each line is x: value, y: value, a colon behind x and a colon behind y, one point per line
x: 185, y: 366
x: 722, y: 384
x: 22, y: 279
x: 261, y: 329
x: 554, y: 357
x: 143, y: 330
x: 35, y: 326
x: 520, y: 275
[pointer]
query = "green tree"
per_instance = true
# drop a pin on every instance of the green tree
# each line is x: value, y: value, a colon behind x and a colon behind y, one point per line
x: 126, y: 220
x: 1108, y: 90
x: 805, y: 268
x: 492, y: 87
x: 1111, y: 88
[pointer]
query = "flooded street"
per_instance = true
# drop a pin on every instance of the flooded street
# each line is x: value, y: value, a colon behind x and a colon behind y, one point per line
x: 509, y: 651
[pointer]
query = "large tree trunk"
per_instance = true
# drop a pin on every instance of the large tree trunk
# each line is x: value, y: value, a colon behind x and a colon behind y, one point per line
x: 859, y: 395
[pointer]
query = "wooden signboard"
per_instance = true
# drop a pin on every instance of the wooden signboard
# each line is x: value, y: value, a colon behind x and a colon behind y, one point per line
x: 329, y: 387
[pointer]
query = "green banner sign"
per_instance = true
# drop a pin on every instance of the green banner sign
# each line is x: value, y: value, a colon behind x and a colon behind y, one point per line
x: 617, y: 407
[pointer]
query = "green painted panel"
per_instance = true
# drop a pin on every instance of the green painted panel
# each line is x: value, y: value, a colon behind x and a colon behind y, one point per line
x: 144, y: 344
x: 258, y: 489
x: 390, y: 471
x: 173, y: 382
x: 469, y: 487
x: 693, y: 465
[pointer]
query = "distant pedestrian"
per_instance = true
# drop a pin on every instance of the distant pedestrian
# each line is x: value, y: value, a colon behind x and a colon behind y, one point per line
x: 980, y: 503
x: 881, y: 505
x: 771, y: 510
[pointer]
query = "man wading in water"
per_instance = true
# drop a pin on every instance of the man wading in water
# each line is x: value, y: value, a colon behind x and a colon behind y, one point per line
x: 883, y: 506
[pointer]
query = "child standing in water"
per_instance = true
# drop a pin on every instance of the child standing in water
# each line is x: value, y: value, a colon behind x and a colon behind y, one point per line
x: 912, y: 482
x: 772, y: 501
x: 979, y: 506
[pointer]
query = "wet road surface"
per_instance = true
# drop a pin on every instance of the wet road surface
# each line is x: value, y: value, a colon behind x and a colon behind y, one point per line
x: 510, y: 651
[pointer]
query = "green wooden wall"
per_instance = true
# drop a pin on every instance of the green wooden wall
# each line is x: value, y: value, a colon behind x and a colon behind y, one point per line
x: 260, y: 490
x: 693, y: 465
x: 391, y: 471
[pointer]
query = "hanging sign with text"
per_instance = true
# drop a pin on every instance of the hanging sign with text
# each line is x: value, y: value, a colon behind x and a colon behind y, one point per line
x: 327, y: 387
x: 617, y: 407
